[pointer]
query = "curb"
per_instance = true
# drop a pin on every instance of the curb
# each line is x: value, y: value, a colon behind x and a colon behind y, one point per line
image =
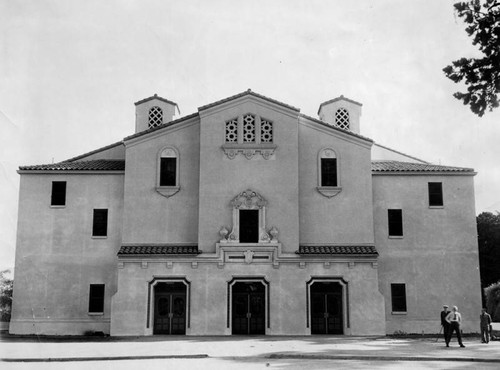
x: 378, y: 358
x: 114, y: 358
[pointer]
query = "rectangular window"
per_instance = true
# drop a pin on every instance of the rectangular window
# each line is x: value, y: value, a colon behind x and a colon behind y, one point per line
x: 100, y: 224
x: 96, y: 298
x: 435, y: 194
x: 328, y: 171
x: 168, y: 171
x: 395, y: 222
x: 58, y: 193
x: 398, y: 296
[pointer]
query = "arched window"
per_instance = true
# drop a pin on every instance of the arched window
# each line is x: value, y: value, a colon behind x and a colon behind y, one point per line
x: 168, y: 172
x: 155, y: 117
x: 342, y: 118
x: 328, y: 173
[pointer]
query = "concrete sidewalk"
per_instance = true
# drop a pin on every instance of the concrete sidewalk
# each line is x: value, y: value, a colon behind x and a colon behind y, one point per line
x: 59, y: 349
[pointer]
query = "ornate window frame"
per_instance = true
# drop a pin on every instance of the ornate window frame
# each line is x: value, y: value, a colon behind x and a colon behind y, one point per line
x: 168, y: 152
x: 249, y: 200
x: 250, y: 148
x: 328, y: 191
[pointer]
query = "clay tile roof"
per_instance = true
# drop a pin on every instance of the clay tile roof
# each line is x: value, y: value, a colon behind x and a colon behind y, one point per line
x: 248, y: 92
x: 128, y: 250
x: 338, y: 249
x: 341, y: 97
x: 94, y: 165
x: 155, y: 97
x: 396, y: 166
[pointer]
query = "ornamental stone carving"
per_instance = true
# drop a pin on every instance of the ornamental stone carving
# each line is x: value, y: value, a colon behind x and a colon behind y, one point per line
x: 249, y: 200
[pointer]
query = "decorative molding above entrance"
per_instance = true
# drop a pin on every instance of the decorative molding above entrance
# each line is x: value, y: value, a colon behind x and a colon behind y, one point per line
x: 249, y: 200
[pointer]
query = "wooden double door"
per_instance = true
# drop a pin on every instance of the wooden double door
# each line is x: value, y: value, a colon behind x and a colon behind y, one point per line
x: 248, y: 308
x: 326, y: 308
x: 170, y: 309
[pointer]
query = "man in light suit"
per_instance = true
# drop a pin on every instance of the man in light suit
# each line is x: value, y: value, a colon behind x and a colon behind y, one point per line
x: 455, y: 319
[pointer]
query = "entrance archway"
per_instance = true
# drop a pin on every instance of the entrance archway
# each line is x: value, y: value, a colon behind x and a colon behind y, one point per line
x: 248, y: 302
x: 170, y: 306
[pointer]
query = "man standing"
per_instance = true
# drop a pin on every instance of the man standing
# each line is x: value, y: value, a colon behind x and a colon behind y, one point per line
x: 444, y: 323
x: 485, y: 319
x: 454, y: 319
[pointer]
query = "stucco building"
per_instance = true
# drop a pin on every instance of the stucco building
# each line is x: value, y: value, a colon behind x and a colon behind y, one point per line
x: 246, y: 217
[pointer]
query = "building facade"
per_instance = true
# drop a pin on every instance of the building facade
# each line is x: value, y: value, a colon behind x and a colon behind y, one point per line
x: 246, y: 217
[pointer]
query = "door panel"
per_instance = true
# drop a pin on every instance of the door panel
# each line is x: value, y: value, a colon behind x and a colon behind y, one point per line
x: 170, y: 309
x: 326, y: 308
x: 248, y: 309
x: 162, y: 311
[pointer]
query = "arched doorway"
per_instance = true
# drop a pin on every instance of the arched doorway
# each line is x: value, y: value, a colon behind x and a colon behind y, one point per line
x: 326, y: 308
x: 248, y: 308
x: 169, y: 308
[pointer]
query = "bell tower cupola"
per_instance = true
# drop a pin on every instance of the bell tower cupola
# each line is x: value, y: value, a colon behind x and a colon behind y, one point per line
x: 342, y: 113
x: 152, y: 112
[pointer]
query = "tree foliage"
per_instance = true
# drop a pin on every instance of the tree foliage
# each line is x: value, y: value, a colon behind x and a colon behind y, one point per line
x: 6, y: 286
x: 492, y: 294
x: 481, y: 75
x: 488, y: 232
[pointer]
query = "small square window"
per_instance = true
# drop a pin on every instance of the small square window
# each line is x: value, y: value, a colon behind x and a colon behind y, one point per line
x: 96, y: 298
x: 328, y: 171
x: 58, y: 197
x: 100, y: 223
x: 398, y: 297
x: 395, y: 218
x: 168, y: 171
x: 435, y: 194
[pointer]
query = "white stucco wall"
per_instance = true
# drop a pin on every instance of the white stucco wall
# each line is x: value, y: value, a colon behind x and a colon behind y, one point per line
x: 275, y: 179
x: 209, y: 296
x: 345, y: 218
x: 56, y: 257
x: 149, y: 217
x: 437, y: 258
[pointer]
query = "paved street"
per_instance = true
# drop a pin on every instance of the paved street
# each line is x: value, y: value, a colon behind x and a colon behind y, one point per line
x: 245, y: 353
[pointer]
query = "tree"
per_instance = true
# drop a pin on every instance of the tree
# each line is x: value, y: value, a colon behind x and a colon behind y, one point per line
x: 481, y: 75
x: 6, y: 286
x: 488, y: 232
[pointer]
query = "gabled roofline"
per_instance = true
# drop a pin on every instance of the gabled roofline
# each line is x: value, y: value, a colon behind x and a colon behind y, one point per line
x: 251, y: 93
x: 155, y: 96
x: 324, y: 124
x: 164, y: 125
x: 400, y: 153
x: 341, y: 97
x: 94, y: 151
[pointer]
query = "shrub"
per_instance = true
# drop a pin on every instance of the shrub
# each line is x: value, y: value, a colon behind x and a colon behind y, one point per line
x: 6, y: 285
x: 492, y: 294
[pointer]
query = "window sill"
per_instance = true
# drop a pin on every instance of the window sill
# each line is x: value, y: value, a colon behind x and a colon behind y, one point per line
x: 399, y: 313
x: 51, y: 206
x: 396, y: 236
x: 249, y: 149
x: 436, y: 207
x: 329, y: 191
x: 167, y: 191
x: 99, y: 237
x: 96, y: 313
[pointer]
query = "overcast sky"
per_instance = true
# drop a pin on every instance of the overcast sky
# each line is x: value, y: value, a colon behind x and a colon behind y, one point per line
x: 70, y: 72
